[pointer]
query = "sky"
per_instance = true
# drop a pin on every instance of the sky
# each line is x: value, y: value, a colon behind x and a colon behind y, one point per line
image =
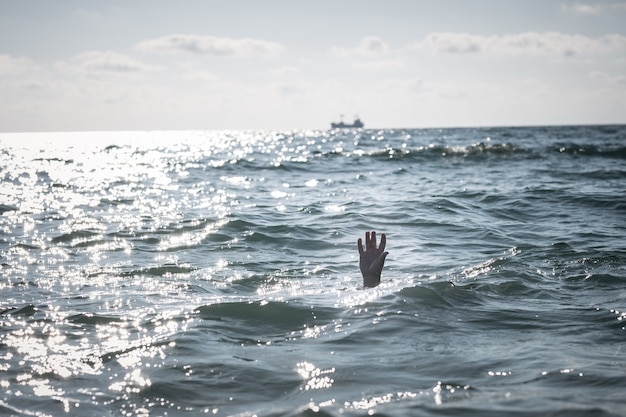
x: 86, y: 65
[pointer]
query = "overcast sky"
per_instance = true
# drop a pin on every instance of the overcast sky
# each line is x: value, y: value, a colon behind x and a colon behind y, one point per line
x: 289, y: 64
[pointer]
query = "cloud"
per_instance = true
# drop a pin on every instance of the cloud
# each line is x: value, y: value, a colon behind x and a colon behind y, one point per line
x: 87, y: 14
x: 528, y: 43
x: 617, y: 80
x: 373, y: 45
x: 289, y: 89
x: 201, y: 75
x: 211, y: 45
x: 104, y: 62
x: 382, y: 64
x: 371, y: 53
x: 368, y: 47
x: 593, y: 9
x: 14, y: 65
x: 285, y: 71
x: 456, y: 42
x: 34, y: 85
x: 581, y: 8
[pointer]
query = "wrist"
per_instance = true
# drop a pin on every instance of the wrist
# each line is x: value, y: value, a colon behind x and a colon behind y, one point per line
x: 371, y: 280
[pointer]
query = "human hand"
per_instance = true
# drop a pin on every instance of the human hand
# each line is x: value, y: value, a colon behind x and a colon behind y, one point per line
x: 372, y: 259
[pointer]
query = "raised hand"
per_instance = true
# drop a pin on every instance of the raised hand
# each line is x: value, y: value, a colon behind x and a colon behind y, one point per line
x: 372, y: 259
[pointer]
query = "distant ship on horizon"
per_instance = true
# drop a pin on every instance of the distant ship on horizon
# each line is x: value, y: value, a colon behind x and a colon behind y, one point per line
x: 341, y: 125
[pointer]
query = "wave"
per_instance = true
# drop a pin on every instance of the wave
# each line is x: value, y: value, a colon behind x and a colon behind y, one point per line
x: 484, y: 151
x: 76, y: 237
x: 577, y: 149
x: 297, y: 152
x: 26, y: 246
x: 264, y: 322
x: 93, y: 319
x: 475, y: 152
x: 159, y: 271
x: 269, y: 314
x: 27, y: 310
x: 5, y: 208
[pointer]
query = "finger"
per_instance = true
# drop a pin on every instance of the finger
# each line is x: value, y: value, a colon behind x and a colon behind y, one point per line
x: 360, y: 245
x: 381, y: 259
x: 368, y: 243
x: 373, y: 243
x: 383, y: 242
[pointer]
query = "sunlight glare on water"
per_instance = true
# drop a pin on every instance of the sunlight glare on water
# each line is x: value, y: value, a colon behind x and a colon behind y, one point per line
x: 184, y: 273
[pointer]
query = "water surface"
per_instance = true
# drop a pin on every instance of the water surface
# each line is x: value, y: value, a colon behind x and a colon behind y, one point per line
x: 191, y: 273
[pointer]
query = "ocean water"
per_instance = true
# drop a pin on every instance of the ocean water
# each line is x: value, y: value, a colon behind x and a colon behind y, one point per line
x: 216, y: 273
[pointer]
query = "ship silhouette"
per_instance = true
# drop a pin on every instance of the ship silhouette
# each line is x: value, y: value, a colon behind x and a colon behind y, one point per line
x: 357, y: 123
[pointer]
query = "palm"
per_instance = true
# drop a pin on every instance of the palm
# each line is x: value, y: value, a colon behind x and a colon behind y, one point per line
x: 372, y: 258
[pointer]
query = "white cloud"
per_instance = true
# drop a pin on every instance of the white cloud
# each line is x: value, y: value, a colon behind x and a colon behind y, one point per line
x: 581, y: 8
x: 616, y: 80
x: 289, y: 89
x: 202, y: 76
x: 14, y: 65
x: 527, y: 43
x: 456, y: 42
x: 373, y: 45
x: 383, y: 64
x: 34, y: 85
x: 593, y: 9
x: 285, y: 71
x: 368, y: 47
x: 211, y: 45
x: 87, y: 14
x: 104, y: 62
x: 371, y: 53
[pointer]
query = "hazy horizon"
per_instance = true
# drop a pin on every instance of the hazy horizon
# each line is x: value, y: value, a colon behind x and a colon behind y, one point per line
x: 322, y: 128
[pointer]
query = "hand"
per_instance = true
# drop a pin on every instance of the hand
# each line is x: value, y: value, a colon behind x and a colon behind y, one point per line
x: 372, y: 259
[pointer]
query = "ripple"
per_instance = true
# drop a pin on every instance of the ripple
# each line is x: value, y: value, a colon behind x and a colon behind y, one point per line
x: 153, y: 273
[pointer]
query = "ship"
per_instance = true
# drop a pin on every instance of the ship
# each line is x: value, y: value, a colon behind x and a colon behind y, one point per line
x: 341, y: 125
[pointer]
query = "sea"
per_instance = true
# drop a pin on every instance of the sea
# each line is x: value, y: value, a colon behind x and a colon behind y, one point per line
x: 189, y: 273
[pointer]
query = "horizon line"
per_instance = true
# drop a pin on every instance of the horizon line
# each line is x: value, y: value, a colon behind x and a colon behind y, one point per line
x: 313, y: 129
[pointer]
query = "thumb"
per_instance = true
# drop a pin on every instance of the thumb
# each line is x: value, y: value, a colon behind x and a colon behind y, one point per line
x: 381, y: 259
